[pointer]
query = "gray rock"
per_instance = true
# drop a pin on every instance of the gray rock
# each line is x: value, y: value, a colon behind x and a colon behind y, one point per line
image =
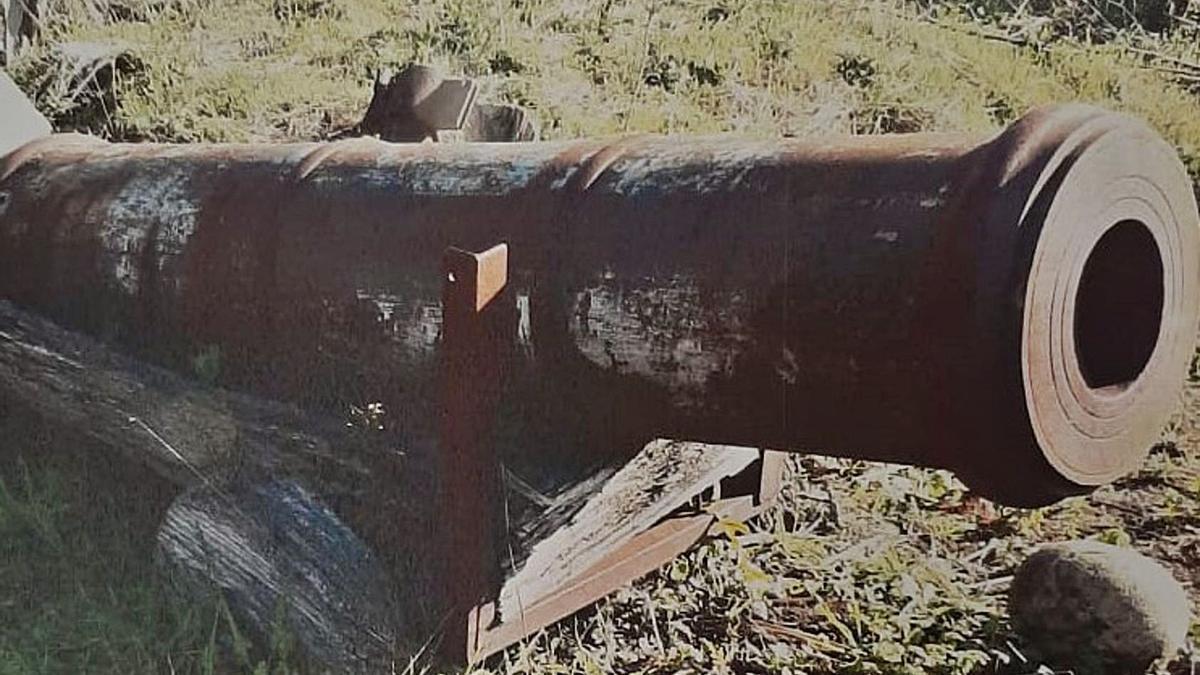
x: 22, y: 122
x: 419, y: 103
x: 1096, y: 608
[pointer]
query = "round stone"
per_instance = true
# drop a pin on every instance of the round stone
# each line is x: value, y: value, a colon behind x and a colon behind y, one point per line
x: 1096, y: 608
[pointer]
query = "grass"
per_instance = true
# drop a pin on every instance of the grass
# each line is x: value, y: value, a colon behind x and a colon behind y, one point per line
x: 79, y: 592
x: 278, y: 69
x: 862, y: 568
x: 866, y: 568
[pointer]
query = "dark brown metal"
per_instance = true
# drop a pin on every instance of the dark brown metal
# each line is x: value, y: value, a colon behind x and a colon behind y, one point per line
x: 908, y: 298
x: 476, y: 333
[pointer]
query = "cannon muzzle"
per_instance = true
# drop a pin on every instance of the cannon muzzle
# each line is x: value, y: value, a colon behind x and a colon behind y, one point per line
x: 1019, y: 308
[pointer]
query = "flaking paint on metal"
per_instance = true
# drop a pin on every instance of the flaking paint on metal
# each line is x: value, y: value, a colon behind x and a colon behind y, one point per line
x: 414, y: 323
x: 151, y: 210
x: 663, y: 326
x: 671, y: 166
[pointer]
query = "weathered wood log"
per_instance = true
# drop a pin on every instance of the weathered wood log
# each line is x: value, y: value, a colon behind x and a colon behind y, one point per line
x: 188, y: 432
x: 283, y: 561
x: 271, y: 548
x: 207, y: 439
x: 198, y: 435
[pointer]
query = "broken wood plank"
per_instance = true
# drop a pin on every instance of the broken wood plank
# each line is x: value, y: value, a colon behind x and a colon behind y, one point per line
x: 569, y: 537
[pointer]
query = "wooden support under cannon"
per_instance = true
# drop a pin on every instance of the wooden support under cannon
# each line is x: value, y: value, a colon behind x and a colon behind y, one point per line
x: 478, y: 331
x: 236, y: 456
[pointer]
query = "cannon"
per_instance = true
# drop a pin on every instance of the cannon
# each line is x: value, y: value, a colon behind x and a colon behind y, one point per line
x: 1019, y: 308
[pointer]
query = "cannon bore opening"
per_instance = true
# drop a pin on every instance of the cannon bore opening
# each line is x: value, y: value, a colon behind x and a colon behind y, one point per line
x: 1119, y: 305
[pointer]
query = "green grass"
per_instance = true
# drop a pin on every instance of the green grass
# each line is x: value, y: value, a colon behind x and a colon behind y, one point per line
x: 863, y: 568
x: 79, y: 592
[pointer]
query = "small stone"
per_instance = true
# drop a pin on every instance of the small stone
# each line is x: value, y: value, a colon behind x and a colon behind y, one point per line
x: 1096, y: 608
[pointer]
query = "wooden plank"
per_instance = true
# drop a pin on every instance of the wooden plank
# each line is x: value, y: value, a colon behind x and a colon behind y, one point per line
x: 639, y: 556
x: 771, y: 476
x: 656, y: 482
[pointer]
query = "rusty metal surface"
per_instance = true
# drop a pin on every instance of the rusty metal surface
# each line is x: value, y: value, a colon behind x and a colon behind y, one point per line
x: 906, y: 298
x: 476, y: 333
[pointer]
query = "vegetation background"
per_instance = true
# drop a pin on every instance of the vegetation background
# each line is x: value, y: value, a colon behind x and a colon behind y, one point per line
x: 863, y: 568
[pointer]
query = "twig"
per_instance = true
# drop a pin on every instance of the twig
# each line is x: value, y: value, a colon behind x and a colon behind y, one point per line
x: 1191, y: 66
x: 522, y: 487
x: 982, y: 552
x: 988, y: 584
x: 643, y: 63
x: 1177, y: 73
x: 1016, y: 40
x: 1184, y: 20
x: 814, y: 639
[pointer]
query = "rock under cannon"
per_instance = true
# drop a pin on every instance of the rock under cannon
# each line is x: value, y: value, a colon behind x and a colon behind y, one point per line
x: 1019, y: 308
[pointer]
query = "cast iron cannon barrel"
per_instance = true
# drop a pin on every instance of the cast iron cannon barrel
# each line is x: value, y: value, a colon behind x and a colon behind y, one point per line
x: 1019, y: 308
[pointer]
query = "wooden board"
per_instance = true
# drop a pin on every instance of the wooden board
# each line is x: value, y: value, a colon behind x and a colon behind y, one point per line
x: 556, y: 546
